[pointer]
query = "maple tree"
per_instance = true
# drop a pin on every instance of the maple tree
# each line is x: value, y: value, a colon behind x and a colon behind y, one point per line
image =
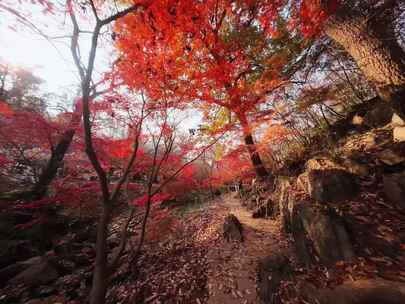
x: 209, y: 54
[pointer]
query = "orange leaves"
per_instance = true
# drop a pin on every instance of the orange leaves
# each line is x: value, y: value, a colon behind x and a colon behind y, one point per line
x: 314, y: 13
x: 157, y: 198
x: 120, y: 149
x: 5, y: 109
x: 276, y: 132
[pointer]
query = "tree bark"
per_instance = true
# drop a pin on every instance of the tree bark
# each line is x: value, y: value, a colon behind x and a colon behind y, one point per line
x: 48, y: 174
x: 257, y: 162
x: 370, y: 39
x: 100, y: 273
x: 51, y: 169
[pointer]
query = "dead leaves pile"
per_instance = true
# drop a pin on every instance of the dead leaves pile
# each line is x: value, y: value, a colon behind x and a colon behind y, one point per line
x: 172, y: 271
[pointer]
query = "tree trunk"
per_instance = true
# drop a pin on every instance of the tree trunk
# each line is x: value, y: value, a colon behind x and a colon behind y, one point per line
x: 370, y: 40
x: 101, y: 271
x: 51, y: 169
x: 48, y: 174
x: 258, y: 165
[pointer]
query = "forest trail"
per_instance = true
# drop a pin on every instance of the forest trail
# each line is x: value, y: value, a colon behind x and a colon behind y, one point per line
x: 232, y: 266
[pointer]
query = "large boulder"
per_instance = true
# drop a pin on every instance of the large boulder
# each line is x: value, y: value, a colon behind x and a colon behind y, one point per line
x: 12, y: 251
x: 394, y: 188
x: 399, y: 134
x: 40, y: 273
x: 326, y: 232
x: 332, y: 185
x: 10, y: 271
x: 390, y: 157
x: 320, y: 231
x: 271, y: 271
x: 379, y: 115
x: 233, y: 229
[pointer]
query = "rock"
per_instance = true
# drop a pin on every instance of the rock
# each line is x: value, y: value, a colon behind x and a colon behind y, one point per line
x: 396, y: 120
x: 378, y: 116
x: 356, y: 167
x: 323, y: 230
x: 12, y: 251
x: 43, y: 291
x: 283, y: 195
x: 36, y: 274
x: 321, y: 163
x: 265, y: 210
x: 390, y: 158
x: 9, y: 272
x: 88, y: 233
x: 69, y: 283
x: 81, y: 259
x: 233, y: 229
x: 394, y: 188
x: 271, y: 271
x: 63, y: 249
x: 399, y: 134
x: 332, y: 185
x: 48, y: 300
x: 12, y: 270
x: 114, y: 240
x: 372, y: 291
x: 357, y: 120
x: 65, y: 266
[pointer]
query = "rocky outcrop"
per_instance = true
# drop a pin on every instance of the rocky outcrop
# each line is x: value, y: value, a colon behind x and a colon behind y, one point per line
x: 331, y: 185
x: 378, y: 116
x: 271, y: 271
x: 320, y: 231
x: 327, y: 181
x: 36, y: 274
x: 233, y: 229
x: 394, y: 188
x: 399, y: 134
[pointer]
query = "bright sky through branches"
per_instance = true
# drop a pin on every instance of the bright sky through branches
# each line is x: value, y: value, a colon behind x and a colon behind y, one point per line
x: 43, y: 46
x: 49, y: 59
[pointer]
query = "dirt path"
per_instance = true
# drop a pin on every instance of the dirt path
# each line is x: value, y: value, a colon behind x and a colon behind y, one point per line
x: 232, y: 266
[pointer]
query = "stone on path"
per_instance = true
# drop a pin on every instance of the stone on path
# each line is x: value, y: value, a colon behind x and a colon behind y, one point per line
x: 233, y: 229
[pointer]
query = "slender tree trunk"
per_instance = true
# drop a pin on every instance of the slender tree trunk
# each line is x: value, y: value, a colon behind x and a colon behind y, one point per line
x: 51, y: 169
x: 101, y: 271
x: 257, y: 162
x: 48, y: 174
x: 370, y: 40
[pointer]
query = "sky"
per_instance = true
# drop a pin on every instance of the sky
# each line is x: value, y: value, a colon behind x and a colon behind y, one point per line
x: 25, y: 48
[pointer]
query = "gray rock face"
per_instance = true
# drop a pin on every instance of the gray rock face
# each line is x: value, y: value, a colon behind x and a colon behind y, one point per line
x: 37, y: 274
x: 378, y: 116
x: 271, y: 271
x: 394, y: 188
x: 323, y: 231
x: 332, y: 185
